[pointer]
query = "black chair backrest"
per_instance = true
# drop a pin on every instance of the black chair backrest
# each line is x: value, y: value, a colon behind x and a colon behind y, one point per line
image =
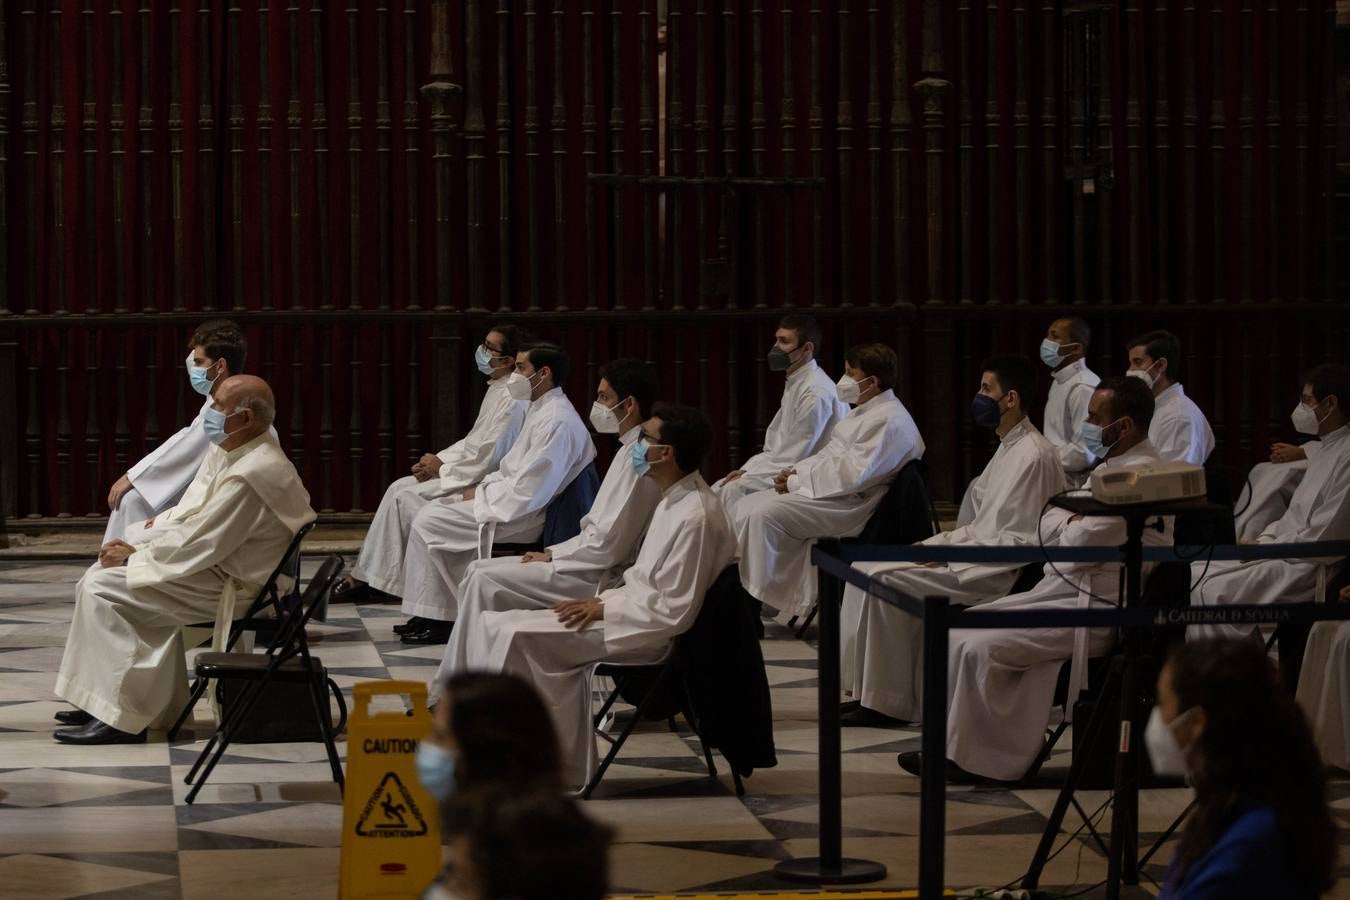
x: 1204, y: 528
x: 268, y: 595
x: 905, y: 514
x: 290, y: 637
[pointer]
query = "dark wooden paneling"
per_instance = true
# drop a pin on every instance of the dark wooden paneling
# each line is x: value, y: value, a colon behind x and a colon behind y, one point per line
x: 362, y: 183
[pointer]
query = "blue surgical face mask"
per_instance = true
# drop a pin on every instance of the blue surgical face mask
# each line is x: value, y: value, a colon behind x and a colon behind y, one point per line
x: 482, y: 357
x: 436, y: 769
x: 213, y: 423
x: 1092, y: 439
x: 1052, y: 354
x: 197, y: 376
x: 639, y: 455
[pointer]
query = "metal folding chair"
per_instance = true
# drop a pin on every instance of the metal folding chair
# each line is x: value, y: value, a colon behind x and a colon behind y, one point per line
x: 287, y: 660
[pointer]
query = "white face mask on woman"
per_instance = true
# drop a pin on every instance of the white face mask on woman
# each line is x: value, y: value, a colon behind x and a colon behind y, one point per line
x: 1164, y: 750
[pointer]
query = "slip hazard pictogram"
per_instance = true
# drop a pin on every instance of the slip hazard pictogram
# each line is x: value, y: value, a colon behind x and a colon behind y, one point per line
x: 391, y: 812
x: 385, y: 799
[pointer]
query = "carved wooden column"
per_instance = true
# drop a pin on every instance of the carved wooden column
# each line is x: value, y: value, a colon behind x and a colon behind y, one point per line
x: 939, y: 342
x: 441, y: 91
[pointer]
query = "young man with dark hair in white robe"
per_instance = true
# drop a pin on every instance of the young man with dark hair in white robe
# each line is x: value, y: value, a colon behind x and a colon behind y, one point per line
x: 1318, y: 511
x: 216, y: 350
x: 463, y: 464
x: 807, y: 414
x: 610, y: 535
x: 1180, y: 432
x: 687, y: 546
x: 508, y: 505
x: 124, y: 666
x: 881, y: 659
x: 1001, y: 682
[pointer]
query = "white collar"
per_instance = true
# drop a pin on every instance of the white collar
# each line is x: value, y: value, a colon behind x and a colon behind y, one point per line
x: 807, y: 366
x: 1069, y: 371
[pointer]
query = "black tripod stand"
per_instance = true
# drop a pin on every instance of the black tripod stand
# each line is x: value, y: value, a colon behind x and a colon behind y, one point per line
x: 1122, y: 860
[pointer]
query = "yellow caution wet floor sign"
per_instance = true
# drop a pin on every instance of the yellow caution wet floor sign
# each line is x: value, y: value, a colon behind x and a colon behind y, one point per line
x: 391, y: 843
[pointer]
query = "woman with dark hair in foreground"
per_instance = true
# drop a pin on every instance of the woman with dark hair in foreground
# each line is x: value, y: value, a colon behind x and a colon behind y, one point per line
x: 1261, y: 827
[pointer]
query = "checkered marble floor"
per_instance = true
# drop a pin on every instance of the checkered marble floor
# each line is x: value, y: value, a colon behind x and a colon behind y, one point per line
x: 110, y: 822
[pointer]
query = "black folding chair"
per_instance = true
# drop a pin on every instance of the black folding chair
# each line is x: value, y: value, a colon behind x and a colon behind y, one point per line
x: 672, y: 666
x: 905, y: 515
x: 268, y: 600
x: 287, y: 660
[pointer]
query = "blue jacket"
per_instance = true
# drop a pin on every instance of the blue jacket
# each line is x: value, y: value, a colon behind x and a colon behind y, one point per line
x: 1247, y: 861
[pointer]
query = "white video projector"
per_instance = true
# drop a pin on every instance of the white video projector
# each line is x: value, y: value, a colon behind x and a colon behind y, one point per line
x: 1148, y: 483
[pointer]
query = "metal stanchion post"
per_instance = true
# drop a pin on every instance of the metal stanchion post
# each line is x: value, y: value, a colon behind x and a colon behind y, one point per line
x: 933, y: 783
x: 830, y: 867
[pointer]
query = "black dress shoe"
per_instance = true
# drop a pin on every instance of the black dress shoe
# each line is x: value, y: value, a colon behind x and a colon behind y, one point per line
x: 862, y: 717
x: 912, y: 763
x: 97, y: 732
x: 416, y: 623
x: 435, y: 632
x: 73, y: 717
x: 351, y: 592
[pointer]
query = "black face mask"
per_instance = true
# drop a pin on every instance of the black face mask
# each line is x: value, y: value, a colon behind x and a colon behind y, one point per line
x: 984, y: 411
x: 781, y: 360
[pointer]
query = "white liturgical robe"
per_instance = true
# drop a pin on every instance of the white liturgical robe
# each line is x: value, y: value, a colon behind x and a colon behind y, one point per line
x: 1324, y: 690
x: 881, y: 660
x: 581, y: 567
x: 1066, y: 409
x: 1267, y: 492
x: 463, y: 464
x: 1179, y: 430
x: 160, y: 478
x: 123, y: 659
x: 1001, y: 683
x: 1318, y: 511
x: 687, y: 546
x: 808, y: 413
x: 832, y: 494
x: 508, y: 504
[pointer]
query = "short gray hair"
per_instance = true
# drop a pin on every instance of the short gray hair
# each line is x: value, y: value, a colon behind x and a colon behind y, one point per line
x: 263, y: 409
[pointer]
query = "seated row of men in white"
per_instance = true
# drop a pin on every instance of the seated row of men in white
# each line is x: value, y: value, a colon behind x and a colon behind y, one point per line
x: 198, y: 525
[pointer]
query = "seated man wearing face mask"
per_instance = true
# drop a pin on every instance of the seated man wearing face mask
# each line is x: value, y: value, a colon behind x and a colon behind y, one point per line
x: 123, y: 666
x: 1180, y: 432
x: 610, y: 533
x: 808, y: 413
x: 1271, y: 485
x: 686, y: 547
x: 831, y: 493
x: 1001, y: 683
x: 463, y: 464
x: 1318, y: 511
x: 216, y: 351
x: 881, y: 662
x: 509, y: 504
x: 1071, y: 385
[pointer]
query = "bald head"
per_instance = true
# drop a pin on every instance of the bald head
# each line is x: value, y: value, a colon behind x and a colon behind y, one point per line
x: 249, y: 405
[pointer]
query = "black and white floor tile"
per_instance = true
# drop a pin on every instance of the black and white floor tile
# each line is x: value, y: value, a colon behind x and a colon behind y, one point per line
x: 111, y: 822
